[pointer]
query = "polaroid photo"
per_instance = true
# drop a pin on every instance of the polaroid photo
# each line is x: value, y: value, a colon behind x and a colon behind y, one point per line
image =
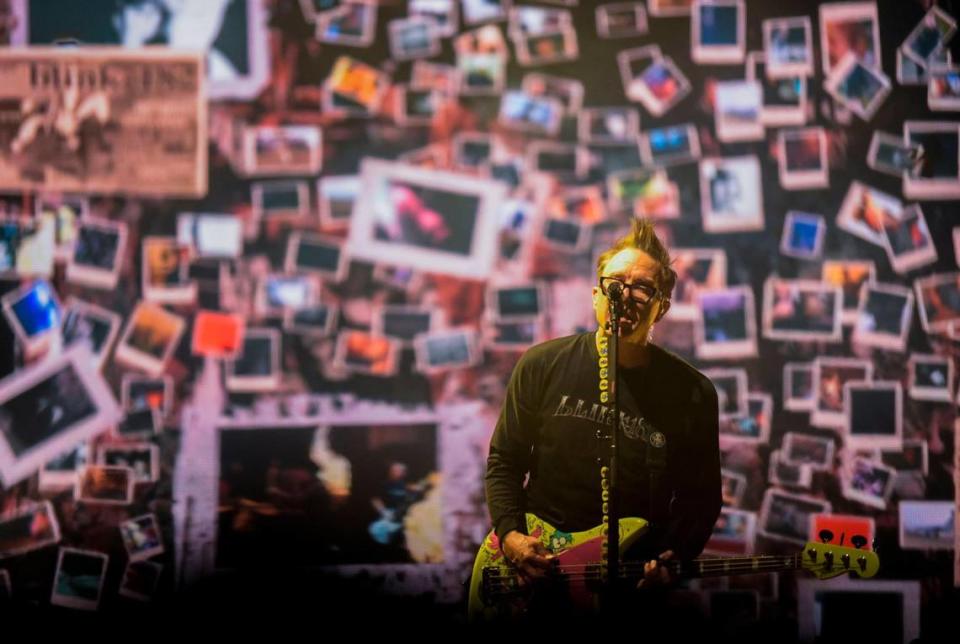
x: 931, y: 377
x: 282, y: 150
x: 479, y: 11
x: 938, y: 298
x: 537, y: 115
x: 139, y: 392
x: 671, y: 145
x: 280, y: 200
x: 28, y: 248
x: 50, y: 407
x: 140, y: 580
x: 733, y: 533
x: 104, y: 484
x: 354, y: 87
x: 234, y: 35
x: 621, y: 20
x: 582, y: 203
x: 213, y: 235
x: 150, y: 338
x: 519, y: 218
x: 97, y: 253
x: 890, y: 155
x: 788, y: 475
x: 644, y: 193
x: 140, y: 425
x: 731, y: 194
x: 443, y: 13
x: 850, y: 276
x: 788, y: 46
x: 35, y: 315
x: 798, y: 392
x: 937, y: 175
x: 317, y: 320
x: 733, y: 485
x: 257, y: 367
x: 816, y: 452
x: 404, y: 322
x: 930, y: 35
x: 784, y: 99
x: 927, y: 525
x: 483, y: 40
x: 787, y: 517
x: 751, y: 428
x: 803, y: 235
x: 316, y: 254
x: 541, y: 49
x: 518, y: 301
x: 608, y: 125
x: 92, y: 325
x: 413, y: 37
x: 436, y: 77
x: 731, y: 386
x: 78, y: 582
x: 868, y: 482
x: 726, y: 327
x: 802, y: 158
x: 566, y: 90
x: 141, y: 537
x: 363, y: 353
x: 866, y: 211
x: 801, y: 311
x: 908, y: 242
x: 697, y: 269
x: 823, y: 609
x: 829, y: 376
x: 874, y: 416
x: 351, y: 24
x: 217, y: 335
x: 65, y: 212
x: 142, y: 458
x: 423, y: 219
x: 514, y: 335
x: 849, y: 27
x: 165, y: 272
x: 883, y: 317
x: 448, y: 350
x: 416, y: 106
x: 718, y: 32
x: 943, y: 89
x: 533, y: 21
x: 564, y: 162
x: 651, y: 79
x: 738, y: 109
x: 335, y: 198
x: 565, y: 234
x: 857, y: 86
x: 30, y: 527
x: 60, y: 473
x: 481, y: 74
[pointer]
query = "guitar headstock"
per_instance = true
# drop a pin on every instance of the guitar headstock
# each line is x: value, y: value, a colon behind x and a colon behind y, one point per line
x: 826, y: 560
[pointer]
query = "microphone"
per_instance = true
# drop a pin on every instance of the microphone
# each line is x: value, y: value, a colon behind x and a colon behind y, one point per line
x: 615, y: 292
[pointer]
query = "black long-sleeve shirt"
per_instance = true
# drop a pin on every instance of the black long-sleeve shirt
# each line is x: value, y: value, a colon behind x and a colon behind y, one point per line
x: 548, y: 428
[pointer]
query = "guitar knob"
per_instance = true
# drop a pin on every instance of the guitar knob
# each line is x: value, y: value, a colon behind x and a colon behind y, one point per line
x: 826, y: 536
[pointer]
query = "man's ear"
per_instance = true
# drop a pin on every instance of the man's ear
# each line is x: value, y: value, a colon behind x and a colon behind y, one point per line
x: 664, y: 307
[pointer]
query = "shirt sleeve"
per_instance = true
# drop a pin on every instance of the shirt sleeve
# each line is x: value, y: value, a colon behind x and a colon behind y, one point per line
x: 698, y: 496
x: 511, y: 449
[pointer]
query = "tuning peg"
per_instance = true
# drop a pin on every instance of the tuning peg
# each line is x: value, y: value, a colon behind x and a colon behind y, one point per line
x: 859, y: 541
x: 828, y: 559
x: 826, y: 536
x: 812, y: 553
x: 845, y: 558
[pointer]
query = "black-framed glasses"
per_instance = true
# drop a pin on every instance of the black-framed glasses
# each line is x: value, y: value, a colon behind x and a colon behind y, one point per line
x: 640, y: 293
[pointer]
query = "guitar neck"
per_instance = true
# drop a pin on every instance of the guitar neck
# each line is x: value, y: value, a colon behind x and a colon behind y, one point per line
x: 728, y: 566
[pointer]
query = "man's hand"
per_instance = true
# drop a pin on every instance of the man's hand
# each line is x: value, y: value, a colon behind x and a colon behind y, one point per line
x: 655, y: 574
x: 528, y: 555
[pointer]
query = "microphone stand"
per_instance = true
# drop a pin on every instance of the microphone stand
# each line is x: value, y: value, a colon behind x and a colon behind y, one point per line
x: 609, y: 473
